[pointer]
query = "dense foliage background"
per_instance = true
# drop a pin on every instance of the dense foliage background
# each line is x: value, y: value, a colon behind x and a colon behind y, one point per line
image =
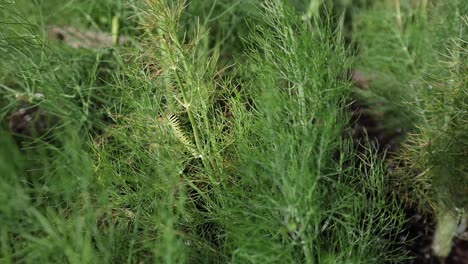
x: 228, y: 131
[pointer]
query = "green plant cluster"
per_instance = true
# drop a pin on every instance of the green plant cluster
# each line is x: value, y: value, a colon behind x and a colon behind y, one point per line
x: 220, y: 133
x: 417, y: 53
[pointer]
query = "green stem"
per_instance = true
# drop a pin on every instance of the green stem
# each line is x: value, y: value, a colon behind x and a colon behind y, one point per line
x: 115, y: 30
x: 211, y: 166
x: 186, y: 103
x: 398, y: 15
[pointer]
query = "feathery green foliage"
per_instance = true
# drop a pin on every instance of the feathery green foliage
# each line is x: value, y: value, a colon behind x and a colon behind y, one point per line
x: 298, y: 170
x: 219, y: 134
x: 418, y: 54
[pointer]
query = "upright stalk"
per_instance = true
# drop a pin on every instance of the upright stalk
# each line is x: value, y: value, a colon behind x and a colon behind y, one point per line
x: 398, y: 15
x: 211, y: 166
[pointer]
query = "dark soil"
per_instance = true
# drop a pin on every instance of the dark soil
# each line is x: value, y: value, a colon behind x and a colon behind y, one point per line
x: 417, y: 238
